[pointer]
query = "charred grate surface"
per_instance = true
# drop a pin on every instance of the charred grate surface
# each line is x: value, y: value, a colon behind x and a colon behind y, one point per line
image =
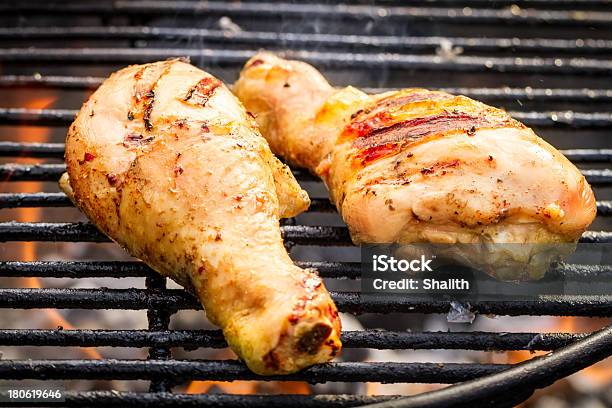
x: 528, y: 71
x: 375, y: 339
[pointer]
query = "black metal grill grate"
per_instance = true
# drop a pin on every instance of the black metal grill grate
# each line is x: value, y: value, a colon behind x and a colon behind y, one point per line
x: 556, y: 44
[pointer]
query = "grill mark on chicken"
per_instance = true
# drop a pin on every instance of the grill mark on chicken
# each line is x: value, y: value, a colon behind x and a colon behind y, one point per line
x: 381, y: 142
x: 414, y: 129
x: 201, y: 92
x: 144, y: 101
x: 136, y: 140
x: 148, y: 107
x: 138, y: 74
x: 401, y: 99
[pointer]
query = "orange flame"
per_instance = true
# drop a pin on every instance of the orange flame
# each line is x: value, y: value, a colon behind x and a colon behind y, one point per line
x: 56, y: 319
x: 248, y: 387
x: 235, y: 387
x: 598, y: 375
x: 28, y: 249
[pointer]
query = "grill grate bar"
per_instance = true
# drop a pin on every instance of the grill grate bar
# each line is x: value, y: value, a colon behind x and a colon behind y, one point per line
x: 107, y: 399
x: 56, y: 150
x: 596, y: 177
x: 505, y: 3
x: 604, y: 208
x: 52, y: 172
x: 350, y: 302
x: 38, y: 81
x: 507, y: 93
x: 230, y: 370
x: 23, y: 200
x: 323, y: 205
x: 87, y: 232
x: 323, y: 11
x: 121, y: 269
x: 51, y: 117
x: 36, y: 172
x: 323, y: 59
x: 308, y: 40
x: 373, y: 339
x: 503, y: 93
x: 296, y: 234
x: 588, y: 155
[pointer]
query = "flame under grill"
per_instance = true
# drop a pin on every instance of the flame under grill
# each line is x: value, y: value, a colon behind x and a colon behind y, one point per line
x: 564, y: 51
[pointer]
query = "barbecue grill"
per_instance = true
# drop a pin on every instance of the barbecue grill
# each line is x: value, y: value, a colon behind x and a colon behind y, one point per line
x: 552, y: 76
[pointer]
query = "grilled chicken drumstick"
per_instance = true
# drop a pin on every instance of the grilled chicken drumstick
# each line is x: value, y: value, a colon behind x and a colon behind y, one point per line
x: 166, y: 162
x: 423, y: 166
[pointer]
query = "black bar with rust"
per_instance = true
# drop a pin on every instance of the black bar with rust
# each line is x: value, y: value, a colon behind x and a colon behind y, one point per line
x: 36, y: 117
x: 31, y: 172
x: 105, y: 399
x: 486, y: 94
x: 313, y: 40
x: 230, y: 370
x: 22, y: 200
x: 17, y: 149
x: 350, y: 302
x: 344, y: 60
x: 374, y: 339
x: 52, y: 172
x: 119, y: 269
x: 61, y: 117
x: 297, y: 234
x: 124, y: 269
x: 87, y: 232
x: 404, y: 14
x: 56, y: 150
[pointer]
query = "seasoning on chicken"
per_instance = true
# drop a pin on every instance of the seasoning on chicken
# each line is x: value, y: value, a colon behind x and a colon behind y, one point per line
x: 420, y: 166
x: 166, y: 162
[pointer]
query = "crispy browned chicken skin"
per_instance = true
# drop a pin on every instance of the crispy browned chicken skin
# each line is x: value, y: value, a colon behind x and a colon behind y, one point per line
x: 417, y: 166
x: 166, y: 162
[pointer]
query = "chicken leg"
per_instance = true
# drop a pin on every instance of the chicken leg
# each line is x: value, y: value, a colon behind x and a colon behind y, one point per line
x: 166, y: 162
x: 420, y: 166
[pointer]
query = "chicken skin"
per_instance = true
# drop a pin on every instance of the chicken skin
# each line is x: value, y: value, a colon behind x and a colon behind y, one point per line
x: 420, y: 166
x: 167, y: 163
